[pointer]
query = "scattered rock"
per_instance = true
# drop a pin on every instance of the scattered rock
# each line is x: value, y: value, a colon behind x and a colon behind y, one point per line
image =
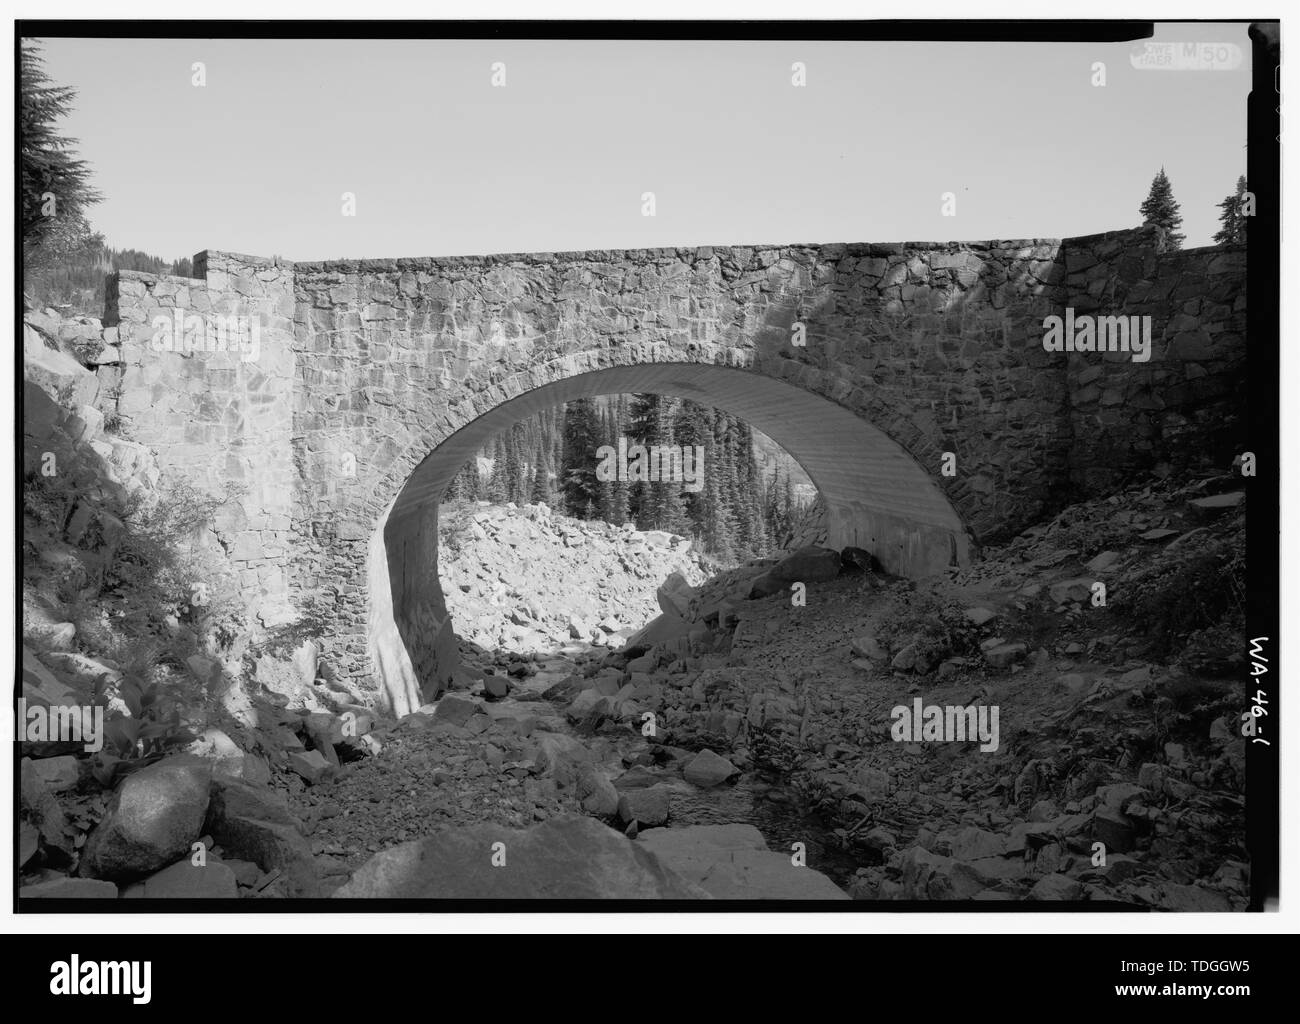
x: 1056, y: 887
x: 253, y: 823
x: 569, y: 857
x: 596, y: 793
x: 1192, y: 899
x: 1103, y: 561
x: 69, y: 889
x: 561, y: 755
x: 29, y: 842
x: 1004, y: 655
x: 455, y: 710
x: 733, y: 862
x: 708, y: 769
x: 311, y: 765
x: 980, y: 615
x: 185, y: 880
x: 1113, y: 828
x: 906, y: 659
x: 973, y: 843
x: 1217, y: 504
x: 58, y: 773
x: 872, y: 784
x: 1071, y: 591
x: 647, y: 807
x: 868, y: 647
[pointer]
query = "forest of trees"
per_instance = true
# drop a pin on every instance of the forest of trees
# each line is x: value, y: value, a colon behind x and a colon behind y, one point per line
x: 78, y: 280
x: 552, y: 457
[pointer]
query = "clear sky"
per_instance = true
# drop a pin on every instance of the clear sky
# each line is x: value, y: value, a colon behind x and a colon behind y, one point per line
x: 443, y: 163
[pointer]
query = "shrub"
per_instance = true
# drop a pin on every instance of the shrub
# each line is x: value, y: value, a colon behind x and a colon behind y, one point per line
x: 938, y: 626
x: 166, y: 570
x: 1187, y: 590
x: 1090, y: 532
x: 315, y: 610
x: 454, y: 519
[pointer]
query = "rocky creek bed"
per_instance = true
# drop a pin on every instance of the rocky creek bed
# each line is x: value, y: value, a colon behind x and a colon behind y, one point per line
x: 1117, y: 774
x: 519, y: 760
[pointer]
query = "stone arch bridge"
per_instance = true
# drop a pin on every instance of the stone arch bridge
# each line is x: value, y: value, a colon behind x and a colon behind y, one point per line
x: 331, y: 403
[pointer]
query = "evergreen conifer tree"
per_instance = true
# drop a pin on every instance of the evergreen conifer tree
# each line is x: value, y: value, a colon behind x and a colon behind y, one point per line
x: 1161, y: 208
x: 542, y: 475
x: 1232, y: 219
x: 54, y: 182
x: 498, y: 486
x: 581, y: 439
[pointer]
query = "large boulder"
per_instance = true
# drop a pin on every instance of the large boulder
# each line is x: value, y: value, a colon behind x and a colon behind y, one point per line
x: 667, y: 629
x: 570, y: 857
x: 674, y: 596
x: 155, y: 815
x: 456, y: 710
x: 56, y: 372
x: 561, y: 756
x: 253, y: 823
x: 595, y: 792
x: 733, y: 862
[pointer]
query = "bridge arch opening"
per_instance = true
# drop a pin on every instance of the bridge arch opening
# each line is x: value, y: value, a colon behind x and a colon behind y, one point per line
x: 877, y: 497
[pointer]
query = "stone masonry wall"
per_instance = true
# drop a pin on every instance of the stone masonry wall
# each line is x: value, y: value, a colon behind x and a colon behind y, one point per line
x: 206, y: 379
x: 929, y: 342
x: 366, y: 366
x: 1181, y: 406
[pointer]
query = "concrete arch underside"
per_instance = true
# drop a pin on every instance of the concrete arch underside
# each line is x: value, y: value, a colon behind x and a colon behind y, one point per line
x: 877, y: 496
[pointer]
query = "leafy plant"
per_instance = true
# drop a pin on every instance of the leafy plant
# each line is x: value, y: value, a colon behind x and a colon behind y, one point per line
x: 937, y: 626
x: 1186, y: 590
